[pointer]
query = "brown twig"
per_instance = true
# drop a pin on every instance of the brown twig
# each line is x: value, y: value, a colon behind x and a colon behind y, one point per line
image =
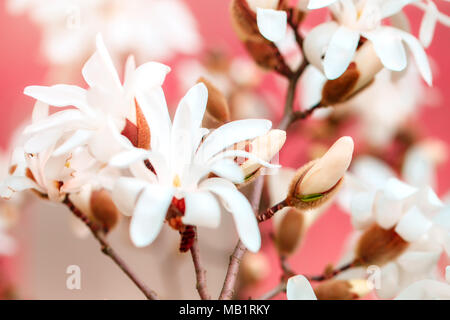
x: 109, y: 251
x: 235, y: 259
x: 281, y: 287
x: 266, y: 215
x: 332, y: 273
x: 200, y: 271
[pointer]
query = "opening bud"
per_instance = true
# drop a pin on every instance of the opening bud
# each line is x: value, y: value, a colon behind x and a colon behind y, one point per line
x: 377, y: 246
x: 254, y: 268
x: 317, y: 181
x: 359, y: 74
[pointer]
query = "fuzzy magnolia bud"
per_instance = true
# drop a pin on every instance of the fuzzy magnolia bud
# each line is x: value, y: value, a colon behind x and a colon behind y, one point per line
x: 264, y: 52
x: 342, y: 289
x: 359, y: 74
x: 265, y: 148
x: 137, y: 129
x: 254, y: 268
x: 217, y: 110
x: 318, y: 180
x: 289, y: 227
x: 378, y: 246
x: 103, y: 209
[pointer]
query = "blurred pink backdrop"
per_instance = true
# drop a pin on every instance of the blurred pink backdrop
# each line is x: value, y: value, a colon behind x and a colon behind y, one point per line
x: 21, y: 64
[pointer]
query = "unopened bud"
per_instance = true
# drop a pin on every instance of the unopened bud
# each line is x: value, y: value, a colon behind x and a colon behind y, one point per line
x: 243, y: 19
x: 104, y: 210
x: 342, y: 289
x: 254, y: 268
x: 317, y: 181
x: 289, y: 226
x: 359, y: 74
x: 265, y: 148
x: 217, y: 110
x: 377, y: 246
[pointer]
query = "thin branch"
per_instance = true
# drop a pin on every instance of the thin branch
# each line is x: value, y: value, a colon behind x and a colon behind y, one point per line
x: 227, y: 292
x: 332, y: 273
x: 109, y: 251
x: 281, y: 287
x: 266, y: 215
x: 200, y: 271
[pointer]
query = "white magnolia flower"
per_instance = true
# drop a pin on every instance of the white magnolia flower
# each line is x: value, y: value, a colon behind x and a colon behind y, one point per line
x: 152, y: 29
x: 353, y: 19
x: 415, y: 214
x: 181, y: 157
x: 431, y: 17
x: 100, y: 112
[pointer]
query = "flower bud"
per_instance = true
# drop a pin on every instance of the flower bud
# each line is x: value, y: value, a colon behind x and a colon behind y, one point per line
x: 254, y: 268
x: 342, y: 289
x: 217, y: 110
x: 289, y: 226
x: 265, y: 148
x: 243, y: 19
x: 104, y: 210
x: 318, y: 180
x: 359, y: 74
x: 377, y: 246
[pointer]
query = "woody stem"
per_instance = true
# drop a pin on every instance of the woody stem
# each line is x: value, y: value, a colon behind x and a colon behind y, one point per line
x: 200, y: 271
x: 109, y: 251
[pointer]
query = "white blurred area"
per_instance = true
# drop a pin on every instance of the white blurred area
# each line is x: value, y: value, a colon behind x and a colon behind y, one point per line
x: 49, y: 245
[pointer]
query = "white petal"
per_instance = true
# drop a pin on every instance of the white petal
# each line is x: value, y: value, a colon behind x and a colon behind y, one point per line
x: 388, y: 281
x: 272, y: 23
x: 340, y: 52
x: 60, y: 95
x: 150, y: 75
x: 125, y: 193
x: 42, y: 140
x: 126, y: 158
x: 316, y: 42
x: 77, y: 139
x: 387, y: 210
x: 389, y: 48
x: 419, y: 262
x: 243, y: 154
x: 413, y: 225
x: 428, y: 24
x: 62, y: 118
x: 149, y: 214
x: 391, y: 7
x: 317, y: 4
x: 398, y: 190
x: 17, y: 184
x: 40, y: 111
x: 231, y: 133
x: 419, y: 55
x: 229, y: 170
x: 299, y: 288
x: 99, y: 70
x: 240, y: 208
x: 202, y: 209
x: 362, y: 205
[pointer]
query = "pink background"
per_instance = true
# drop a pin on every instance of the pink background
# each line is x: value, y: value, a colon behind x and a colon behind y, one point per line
x: 21, y: 64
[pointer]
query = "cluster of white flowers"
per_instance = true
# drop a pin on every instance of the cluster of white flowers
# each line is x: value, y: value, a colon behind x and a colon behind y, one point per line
x: 112, y: 126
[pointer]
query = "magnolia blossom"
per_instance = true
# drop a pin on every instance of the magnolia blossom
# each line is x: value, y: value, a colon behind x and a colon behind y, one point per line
x: 100, y: 112
x: 354, y: 19
x: 181, y: 157
x: 415, y: 214
x: 152, y: 29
